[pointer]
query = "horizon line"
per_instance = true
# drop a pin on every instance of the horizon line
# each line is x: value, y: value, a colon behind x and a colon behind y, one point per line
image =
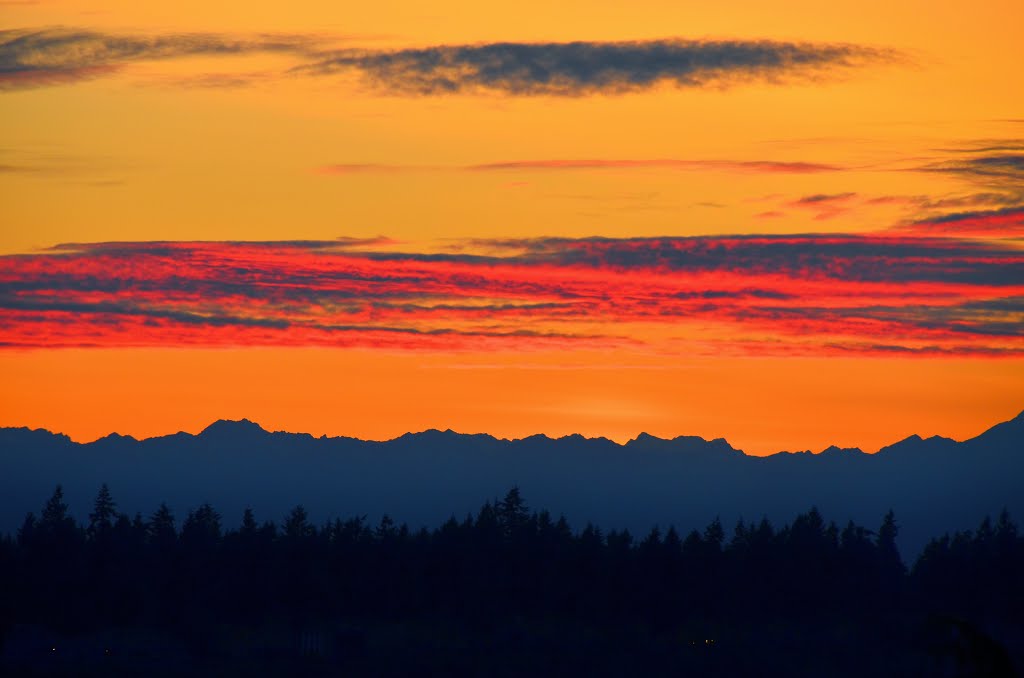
x: 634, y: 439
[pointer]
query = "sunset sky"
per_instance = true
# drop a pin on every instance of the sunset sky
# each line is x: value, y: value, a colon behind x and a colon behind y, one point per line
x: 790, y: 224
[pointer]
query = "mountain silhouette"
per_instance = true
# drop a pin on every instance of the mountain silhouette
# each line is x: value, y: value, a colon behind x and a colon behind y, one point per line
x: 934, y: 485
x: 234, y: 430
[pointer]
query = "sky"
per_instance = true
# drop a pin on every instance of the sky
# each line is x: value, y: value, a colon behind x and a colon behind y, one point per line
x: 789, y: 224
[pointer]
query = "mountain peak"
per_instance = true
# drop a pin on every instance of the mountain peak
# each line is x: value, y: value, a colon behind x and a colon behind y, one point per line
x: 116, y: 437
x: 644, y: 438
x: 24, y: 433
x: 916, y: 445
x: 683, y: 444
x: 228, y: 427
x: 836, y: 451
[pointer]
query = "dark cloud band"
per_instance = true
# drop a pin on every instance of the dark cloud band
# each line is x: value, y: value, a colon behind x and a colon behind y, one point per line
x: 1007, y: 222
x: 578, y: 68
x: 57, y: 55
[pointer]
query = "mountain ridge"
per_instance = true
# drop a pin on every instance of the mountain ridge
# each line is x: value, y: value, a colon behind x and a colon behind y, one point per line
x: 247, y: 428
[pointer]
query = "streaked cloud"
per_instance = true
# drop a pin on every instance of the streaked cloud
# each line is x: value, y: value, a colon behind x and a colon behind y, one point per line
x: 366, y: 168
x: 822, y: 199
x: 987, y: 146
x: 1007, y: 222
x: 53, y: 56
x: 996, y: 166
x: 988, y: 168
x: 759, y: 295
x: 544, y: 165
x: 580, y: 68
x: 753, y: 166
x: 825, y: 205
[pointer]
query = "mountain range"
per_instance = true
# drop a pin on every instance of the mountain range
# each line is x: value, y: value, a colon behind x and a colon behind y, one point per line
x: 934, y: 485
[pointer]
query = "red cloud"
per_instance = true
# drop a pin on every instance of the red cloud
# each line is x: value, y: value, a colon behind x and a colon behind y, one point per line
x: 13, y: 80
x: 815, y: 294
x: 757, y: 166
x: 1001, y: 223
x: 744, y: 166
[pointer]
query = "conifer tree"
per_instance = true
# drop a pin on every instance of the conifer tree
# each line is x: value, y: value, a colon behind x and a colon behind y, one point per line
x: 161, y: 529
x: 103, y: 515
x: 55, y: 513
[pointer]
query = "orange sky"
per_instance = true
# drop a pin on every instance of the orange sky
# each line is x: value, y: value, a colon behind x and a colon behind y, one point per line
x: 236, y: 121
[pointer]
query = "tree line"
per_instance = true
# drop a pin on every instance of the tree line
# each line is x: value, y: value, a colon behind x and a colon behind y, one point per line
x: 752, y: 583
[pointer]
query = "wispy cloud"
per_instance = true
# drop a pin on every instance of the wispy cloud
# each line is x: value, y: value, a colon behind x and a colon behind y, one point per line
x: 545, y: 165
x: 825, y: 205
x: 54, y: 164
x: 579, y: 68
x: 819, y: 199
x: 52, y: 56
x: 342, y: 169
x: 996, y: 167
x: 988, y: 168
x: 775, y: 295
x: 1007, y: 222
x: 753, y: 166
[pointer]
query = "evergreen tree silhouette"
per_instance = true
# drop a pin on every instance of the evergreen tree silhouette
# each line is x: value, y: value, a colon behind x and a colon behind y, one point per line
x: 55, y: 518
x: 249, y: 527
x: 160, y: 530
x: 386, y: 529
x: 512, y: 512
x: 888, y: 552
x: 297, y: 525
x: 714, y: 535
x: 201, y: 529
x: 103, y: 515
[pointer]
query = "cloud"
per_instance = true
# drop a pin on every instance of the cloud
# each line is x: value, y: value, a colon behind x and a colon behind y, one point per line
x: 825, y: 205
x: 53, y: 56
x: 996, y: 164
x: 580, y: 68
x: 753, y: 166
x: 846, y: 258
x: 994, y: 168
x: 929, y: 350
x: 741, y: 166
x: 821, y: 199
x: 47, y: 164
x: 988, y: 146
x: 997, y: 169
x: 19, y: 169
x: 1007, y: 222
x: 364, y: 168
x: 215, y: 81
x: 765, y: 295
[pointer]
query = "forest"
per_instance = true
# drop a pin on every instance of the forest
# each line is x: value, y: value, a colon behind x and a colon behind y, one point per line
x: 507, y: 591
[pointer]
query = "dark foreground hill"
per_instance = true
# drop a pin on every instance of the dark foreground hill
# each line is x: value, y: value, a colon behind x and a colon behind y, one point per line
x: 934, y: 485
